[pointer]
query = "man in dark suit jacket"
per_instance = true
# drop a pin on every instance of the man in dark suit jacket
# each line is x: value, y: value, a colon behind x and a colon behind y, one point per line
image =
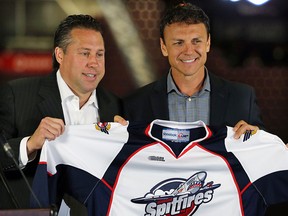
x: 185, y: 40
x: 229, y: 103
x: 35, y: 107
x: 24, y: 102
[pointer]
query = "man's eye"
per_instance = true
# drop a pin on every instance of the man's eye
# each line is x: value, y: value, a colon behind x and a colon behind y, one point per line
x: 85, y: 53
x: 178, y: 43
x: 197, y: 41
x: 100, y: 54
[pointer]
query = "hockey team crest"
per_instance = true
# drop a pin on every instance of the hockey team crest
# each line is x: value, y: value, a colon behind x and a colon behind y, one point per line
x: 104, y: 127
x: 178, y: 196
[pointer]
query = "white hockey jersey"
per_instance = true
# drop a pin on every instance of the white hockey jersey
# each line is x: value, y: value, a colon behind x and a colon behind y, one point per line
x: 164, y: 168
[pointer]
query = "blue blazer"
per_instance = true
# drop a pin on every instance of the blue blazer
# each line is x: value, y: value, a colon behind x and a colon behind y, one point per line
x: 230, y: 102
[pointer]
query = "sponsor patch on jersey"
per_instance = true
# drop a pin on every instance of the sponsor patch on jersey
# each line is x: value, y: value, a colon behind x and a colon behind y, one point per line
x: 178, y: 196
x: 103, y: 127
x: 156, y: 158
x: 248, y: 134
x: 176, y: 135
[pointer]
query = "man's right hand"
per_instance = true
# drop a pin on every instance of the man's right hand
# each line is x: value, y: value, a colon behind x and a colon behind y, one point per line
x: 49, y: 128
x: 120, y: 120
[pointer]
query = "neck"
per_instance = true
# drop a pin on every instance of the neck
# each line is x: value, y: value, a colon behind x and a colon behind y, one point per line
x: 189, y: 85
x: 83, y: 98
x: 83, y: 101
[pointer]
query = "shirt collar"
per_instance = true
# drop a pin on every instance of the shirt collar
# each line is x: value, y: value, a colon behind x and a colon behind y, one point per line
x: 66, y: 93
x: 171, y: 86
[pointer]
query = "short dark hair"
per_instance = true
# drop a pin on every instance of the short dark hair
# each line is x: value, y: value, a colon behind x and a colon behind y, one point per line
x: 62, y: 37
x: 184, y: 13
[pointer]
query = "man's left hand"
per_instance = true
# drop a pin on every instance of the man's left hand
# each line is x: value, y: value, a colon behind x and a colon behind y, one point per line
x: 241, y: 127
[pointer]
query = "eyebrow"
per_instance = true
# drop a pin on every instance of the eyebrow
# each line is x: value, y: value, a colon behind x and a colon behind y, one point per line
x: 177, y: 39
x: 88, y: 49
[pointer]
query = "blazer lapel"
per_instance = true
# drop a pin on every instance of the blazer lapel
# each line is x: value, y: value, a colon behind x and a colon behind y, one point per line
x: 109, y: 105
x: 159, y: 100
x: 105, y: 106
x: 51, y: 103
x: 218, y: 100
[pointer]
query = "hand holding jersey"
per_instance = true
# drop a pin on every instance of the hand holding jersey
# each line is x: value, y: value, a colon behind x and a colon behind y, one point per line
x: 240, y: 128
x: 204, y: 166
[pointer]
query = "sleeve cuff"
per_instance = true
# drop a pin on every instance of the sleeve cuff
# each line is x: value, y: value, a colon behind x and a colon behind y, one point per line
x: 23, y: 156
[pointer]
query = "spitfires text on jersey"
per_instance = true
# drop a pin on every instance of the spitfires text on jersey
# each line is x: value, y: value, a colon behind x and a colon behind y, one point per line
x: 184, y: 200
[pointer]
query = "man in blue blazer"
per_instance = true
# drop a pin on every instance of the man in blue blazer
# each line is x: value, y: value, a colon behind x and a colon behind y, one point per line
x: 190, y: 92
x: 230, y: 102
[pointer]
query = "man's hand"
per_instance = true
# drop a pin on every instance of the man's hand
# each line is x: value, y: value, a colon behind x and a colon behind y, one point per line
x: 241, y: 127
x: 49, y: 128
x: 120, y: 120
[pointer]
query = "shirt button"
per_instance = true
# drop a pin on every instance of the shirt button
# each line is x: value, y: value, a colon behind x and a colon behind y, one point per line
x: 189, y: 99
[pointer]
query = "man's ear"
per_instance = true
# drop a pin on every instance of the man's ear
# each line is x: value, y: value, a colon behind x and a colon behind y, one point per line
x: 208, y: 44
x: 163, y: 47
x: 58, y: 52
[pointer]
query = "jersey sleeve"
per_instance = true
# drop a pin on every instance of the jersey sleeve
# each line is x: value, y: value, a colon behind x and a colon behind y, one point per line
x: 76, y: 161
x: 264, y: 157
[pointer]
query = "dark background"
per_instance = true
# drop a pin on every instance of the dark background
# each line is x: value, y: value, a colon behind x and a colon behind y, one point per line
x: 249, y: 44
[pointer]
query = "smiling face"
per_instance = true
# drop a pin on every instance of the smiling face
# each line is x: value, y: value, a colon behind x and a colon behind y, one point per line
x: 186, y: 46
x: 82, y: 65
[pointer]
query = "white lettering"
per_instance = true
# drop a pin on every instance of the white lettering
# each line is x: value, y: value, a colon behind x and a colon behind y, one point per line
x: 150, y: 209
x: 208, y: 196
x: 177, y: 204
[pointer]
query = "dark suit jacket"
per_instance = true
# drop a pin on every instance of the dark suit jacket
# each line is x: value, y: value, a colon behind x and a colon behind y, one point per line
x: 23, y: 103
x: 230, y: 102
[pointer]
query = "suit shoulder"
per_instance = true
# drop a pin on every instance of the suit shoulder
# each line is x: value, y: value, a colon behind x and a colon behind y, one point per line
x: 157, y: 86
x: 25, y: 82
x: 233, y: 86
x: 28, y: 85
